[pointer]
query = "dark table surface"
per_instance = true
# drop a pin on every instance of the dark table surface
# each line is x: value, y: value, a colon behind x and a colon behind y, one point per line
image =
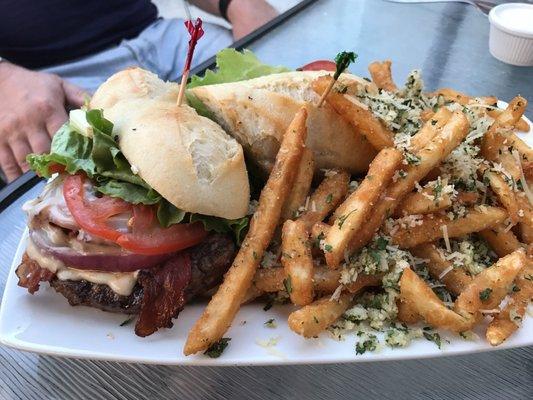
x: 449, y: 42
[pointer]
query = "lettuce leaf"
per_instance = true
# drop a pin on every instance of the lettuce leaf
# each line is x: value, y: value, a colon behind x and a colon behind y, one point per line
x: 133, y: 194
x: 234, y: 66
x: 221, y: 225
x: 70, y: 149
x: 168, y: 214
x: 101, y: 159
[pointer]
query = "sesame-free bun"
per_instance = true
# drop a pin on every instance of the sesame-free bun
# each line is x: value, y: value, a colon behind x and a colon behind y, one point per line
x: 185, y: 157
x: 258, y: 111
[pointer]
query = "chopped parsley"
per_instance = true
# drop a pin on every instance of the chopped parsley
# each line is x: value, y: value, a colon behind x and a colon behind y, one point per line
x: 433, y: 337
x: 217, y: 348
x: 271, y: 323
x: 342, y: 218
x: 485, y: 294
x: 369, y: 344
x: 412, y: 159
x: 127, y: 321
x: 329, y: 198
x: 328, y: 248
x: 515, y: 288
x: 287, y: 283
x: 381, y: 243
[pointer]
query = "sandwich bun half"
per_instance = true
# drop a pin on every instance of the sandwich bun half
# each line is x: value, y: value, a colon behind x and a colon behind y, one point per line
x: 258, y: 111
x: 187, y: 158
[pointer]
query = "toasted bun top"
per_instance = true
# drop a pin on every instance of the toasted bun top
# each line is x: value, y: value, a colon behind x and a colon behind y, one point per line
x: 187, y: 158
x: 257, y: 112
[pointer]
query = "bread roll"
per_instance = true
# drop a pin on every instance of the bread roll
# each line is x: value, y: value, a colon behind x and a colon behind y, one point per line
x: 257, y: 112
x: 187, y: 158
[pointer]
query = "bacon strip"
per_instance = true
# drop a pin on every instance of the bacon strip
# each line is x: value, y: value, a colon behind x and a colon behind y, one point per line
x: 30, y: 274
x: 163, y: 294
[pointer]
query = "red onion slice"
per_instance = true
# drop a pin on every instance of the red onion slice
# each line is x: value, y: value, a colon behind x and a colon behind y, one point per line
x: 121, y: 261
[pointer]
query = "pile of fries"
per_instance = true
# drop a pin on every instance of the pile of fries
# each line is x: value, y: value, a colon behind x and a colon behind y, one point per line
x: 399, y: 204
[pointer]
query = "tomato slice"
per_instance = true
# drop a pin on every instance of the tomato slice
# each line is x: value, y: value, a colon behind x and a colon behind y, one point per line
x: 92, y: 216
x: 148, y: 237
x: 145, y: 235
x: 53, y: 168
x: 320, y: 65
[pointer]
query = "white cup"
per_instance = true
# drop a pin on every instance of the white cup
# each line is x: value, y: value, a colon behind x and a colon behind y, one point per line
x: 511, y: 33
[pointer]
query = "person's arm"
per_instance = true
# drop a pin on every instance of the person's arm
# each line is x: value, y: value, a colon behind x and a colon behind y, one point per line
x: 244, y: 15
x: 32, y: 108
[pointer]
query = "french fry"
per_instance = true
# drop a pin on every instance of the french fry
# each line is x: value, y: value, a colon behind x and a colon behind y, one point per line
x: 359, y: 204
x: 516, y: 203
x: 406, y: 312
x: 508, y: 162
x: 455, y: 279
x: 526, y: 233
x: 325, y: 280
x: 301, y: 186
x: 252, y: 293
x: 521, y: 125
x: 221, y: 310
x: 430, y: 156
x: 419, y: 203
x: 505, y: 194
x: 467, y: 198
x: 501, y: 240
x: 434, y: 227
x: 494, y: 140
x: 382, y: 76
x: 419, y: 299
x: 463, y: 99
x: 430, y: 129
x: 270, y: 280
x: 297, y: 261
x: 364, y: 281
x: 320, y: 230
x: 427, y: 114
x: 526, y: 153
x: 527, y: 166
x: 489, y: 287
x: 325, y: 198
x: 509, y: 319
x: 311, y: 320
x: 453, y: 95
x: 356, y: 114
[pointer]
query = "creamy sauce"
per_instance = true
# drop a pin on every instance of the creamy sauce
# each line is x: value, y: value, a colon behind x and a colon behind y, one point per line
x: 122, y: 283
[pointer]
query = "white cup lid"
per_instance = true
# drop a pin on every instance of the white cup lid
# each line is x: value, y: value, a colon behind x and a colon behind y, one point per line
x: 513, y: 18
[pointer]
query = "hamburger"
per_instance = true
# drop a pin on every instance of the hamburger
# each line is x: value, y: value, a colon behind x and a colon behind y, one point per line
x: 143, y: 207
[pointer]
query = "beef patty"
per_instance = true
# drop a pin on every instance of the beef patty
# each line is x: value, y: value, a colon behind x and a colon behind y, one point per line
x: 209, y: 261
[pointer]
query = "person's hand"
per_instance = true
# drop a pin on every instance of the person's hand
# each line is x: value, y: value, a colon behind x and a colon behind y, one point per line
x: 248, y: 15
x: 32, y: 108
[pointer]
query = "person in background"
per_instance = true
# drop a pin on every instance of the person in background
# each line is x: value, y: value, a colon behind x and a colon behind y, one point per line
x: 55, y: 52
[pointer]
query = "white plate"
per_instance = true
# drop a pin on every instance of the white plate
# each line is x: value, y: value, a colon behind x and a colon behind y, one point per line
x: 45, y: 323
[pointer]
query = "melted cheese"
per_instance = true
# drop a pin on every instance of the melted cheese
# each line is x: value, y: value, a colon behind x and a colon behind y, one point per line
x: 122, y: 283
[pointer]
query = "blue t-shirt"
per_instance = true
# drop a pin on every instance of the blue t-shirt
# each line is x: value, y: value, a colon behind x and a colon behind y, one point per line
x: 42, y: 33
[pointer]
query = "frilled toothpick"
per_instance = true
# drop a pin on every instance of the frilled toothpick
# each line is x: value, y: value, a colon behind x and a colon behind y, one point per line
x: 196, y: 32
x: 342, y: 61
